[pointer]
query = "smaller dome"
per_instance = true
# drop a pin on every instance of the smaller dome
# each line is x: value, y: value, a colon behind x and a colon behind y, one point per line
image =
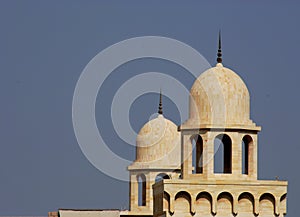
x: 158, y: 143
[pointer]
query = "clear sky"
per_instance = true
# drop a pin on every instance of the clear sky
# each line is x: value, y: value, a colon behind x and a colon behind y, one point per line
x: 45, y: 45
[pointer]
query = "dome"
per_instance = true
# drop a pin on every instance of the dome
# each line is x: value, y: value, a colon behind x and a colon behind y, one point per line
x: 220, y: 98
x: 158, y: 143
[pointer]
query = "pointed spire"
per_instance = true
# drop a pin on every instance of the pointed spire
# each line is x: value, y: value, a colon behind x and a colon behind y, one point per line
x: 219, y: 59
x: 160, y: 111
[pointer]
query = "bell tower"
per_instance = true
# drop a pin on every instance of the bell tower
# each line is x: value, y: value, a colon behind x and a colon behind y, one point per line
x: 219, y: 121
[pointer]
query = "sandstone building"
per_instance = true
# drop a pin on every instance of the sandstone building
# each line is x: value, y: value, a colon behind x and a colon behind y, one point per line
x: 174, y: 174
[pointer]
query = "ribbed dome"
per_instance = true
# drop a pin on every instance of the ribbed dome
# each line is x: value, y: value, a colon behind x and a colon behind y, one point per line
x: 158, y: 142
x: 220, y: 98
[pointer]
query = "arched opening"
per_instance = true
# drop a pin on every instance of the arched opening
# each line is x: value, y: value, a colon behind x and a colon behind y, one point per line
x: 161, y: 176
x: 225, y: 204
x: 223, y: 154
x: 203, y: 204
x: 141, y: 179
x: 182, y: 202
x: 246, y: 204
x: 246, y: 151
x: 197, y: 143
x: 267, y: 205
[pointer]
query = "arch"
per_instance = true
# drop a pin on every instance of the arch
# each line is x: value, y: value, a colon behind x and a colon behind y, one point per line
x: 246, y: 195
x: 141, y: 179
x: 225, y: 204
x: 203, y: 204
x: 197, y: 157
x: 182, y: 202
x: 246, y: 204
x: 161, y: 176
x: 225, y: 194
x: 247, y: 152
x: 223, y: 154
x: 204, y: 194
x: 267, y: 204
x: 183, y: 194
x: 283, y: 204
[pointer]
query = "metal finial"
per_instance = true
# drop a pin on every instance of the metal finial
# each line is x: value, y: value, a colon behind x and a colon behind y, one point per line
x: 219, y: 59
x: 160, y: 111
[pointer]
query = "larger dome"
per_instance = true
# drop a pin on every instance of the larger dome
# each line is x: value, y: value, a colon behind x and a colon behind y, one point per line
x: 219, y: 98
x: 158, y: 143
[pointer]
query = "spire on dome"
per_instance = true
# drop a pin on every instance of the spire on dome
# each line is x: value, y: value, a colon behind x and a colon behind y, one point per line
x: 160, y: 111
x: 219, y: 59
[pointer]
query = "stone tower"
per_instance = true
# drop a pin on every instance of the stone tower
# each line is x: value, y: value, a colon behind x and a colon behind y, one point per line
x: 175, y: 172
x: 219, y: 119
x: 157, y: 157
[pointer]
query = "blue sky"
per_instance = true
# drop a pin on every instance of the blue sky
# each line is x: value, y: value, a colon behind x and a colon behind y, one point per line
x: 44, y: 46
